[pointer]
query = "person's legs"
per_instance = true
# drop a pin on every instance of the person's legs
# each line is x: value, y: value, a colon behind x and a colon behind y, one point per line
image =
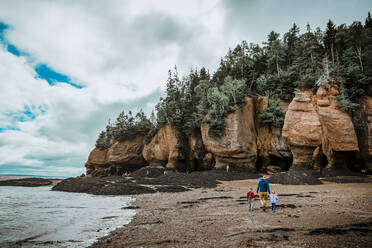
x: 263, y: 197
x: 273, y: 207
x: 250, y: 205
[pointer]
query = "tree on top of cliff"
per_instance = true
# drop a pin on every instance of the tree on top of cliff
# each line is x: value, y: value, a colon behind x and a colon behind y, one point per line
x: 125, y: 127
x: 275, y: 69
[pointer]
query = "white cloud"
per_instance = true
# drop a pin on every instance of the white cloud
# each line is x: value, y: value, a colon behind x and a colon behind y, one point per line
x: 120, y: 51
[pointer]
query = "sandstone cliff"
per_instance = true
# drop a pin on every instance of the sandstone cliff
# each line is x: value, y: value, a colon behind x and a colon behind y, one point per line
x: 272, y: 150
x: 315, y: 125
x: 364, y: 117
x: 338, y: 134
x: 237, y: 146
x: 163, y: 150
x: 120, y: 157
x: 302, y: 129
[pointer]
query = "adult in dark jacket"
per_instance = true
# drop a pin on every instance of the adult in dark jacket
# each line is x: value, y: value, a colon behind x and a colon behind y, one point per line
x: 264, y: 188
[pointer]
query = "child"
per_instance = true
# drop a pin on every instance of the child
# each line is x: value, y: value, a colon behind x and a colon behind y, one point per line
x: 250, y: 198
x: 273, y: 199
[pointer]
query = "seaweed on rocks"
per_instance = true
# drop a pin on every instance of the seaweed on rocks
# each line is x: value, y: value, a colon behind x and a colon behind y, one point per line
x: 101, y: 186
x: 27, y: 182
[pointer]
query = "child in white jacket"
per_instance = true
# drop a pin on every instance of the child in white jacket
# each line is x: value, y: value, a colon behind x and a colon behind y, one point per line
x: 273, y: 199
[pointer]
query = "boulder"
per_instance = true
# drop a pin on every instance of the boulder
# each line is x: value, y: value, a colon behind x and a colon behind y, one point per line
x: 302, y: 129
x: 338, y: 134
x: 163, y: 150
x: 237, y: 146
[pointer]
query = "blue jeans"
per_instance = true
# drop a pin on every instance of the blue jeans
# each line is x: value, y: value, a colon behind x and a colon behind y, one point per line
x: 250, y: 204
x: 273, y: 206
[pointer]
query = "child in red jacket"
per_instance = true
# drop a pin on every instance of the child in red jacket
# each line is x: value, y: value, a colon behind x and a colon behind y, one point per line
x: 250, y: 198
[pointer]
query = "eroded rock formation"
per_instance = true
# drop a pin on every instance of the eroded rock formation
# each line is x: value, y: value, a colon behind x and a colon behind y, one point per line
x: 120, y: 157
x: 338, y: 134
x: 364, y: 117
x: 316, y: 121
x: 272, y: 150
x: 237, y: 146
x: 163, y: 150
x: 302, y: 129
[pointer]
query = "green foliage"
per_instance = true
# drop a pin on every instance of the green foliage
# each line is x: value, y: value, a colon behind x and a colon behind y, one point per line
x: 103, y: 141
x: 273, y: 114
x: 125, y: 127
x: 344, y: 101
x: 276, y: 69
x: 216, y: 127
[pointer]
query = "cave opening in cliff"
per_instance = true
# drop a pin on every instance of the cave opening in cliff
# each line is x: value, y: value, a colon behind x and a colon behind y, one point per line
x: 283, y: 162
x: 323, y: 160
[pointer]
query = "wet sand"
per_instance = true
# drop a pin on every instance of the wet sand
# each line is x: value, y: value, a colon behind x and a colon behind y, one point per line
x: 328, y: 215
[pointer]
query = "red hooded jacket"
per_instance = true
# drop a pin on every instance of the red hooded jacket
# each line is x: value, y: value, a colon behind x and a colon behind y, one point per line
x: 250, y: 195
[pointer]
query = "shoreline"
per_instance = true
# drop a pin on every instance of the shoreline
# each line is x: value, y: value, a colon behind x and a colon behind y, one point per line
x: 326, y: 215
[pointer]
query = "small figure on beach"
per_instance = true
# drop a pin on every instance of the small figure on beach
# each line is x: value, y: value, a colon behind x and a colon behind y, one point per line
x: 227, y: 168
x: 123, y: 175
x: 264, y: 188
x: 273, y: 199
x: 250, y: 199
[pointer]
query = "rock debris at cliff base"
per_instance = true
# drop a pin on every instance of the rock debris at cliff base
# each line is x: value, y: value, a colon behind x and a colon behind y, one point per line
x: 138, y: 184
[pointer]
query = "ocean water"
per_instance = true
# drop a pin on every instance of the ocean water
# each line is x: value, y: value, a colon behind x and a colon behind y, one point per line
x: 39, y: 217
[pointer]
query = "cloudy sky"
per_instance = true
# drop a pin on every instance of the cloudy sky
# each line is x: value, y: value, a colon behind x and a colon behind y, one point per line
x: 66, y: 67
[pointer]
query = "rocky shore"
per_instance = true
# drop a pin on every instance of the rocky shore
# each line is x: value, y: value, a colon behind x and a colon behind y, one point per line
x: 151, y: 180
x: 327, y: 215
x: 29, y: 182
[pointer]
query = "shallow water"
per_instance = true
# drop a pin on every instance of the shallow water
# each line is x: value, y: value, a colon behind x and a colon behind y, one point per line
x: 39, y: 217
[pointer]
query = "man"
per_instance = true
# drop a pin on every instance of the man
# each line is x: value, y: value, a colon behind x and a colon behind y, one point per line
x: 264, y: 188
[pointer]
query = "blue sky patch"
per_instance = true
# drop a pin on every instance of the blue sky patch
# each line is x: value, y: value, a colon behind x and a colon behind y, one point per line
x: 53, y: 77
x: 28, y: 113
x: 43, y: 70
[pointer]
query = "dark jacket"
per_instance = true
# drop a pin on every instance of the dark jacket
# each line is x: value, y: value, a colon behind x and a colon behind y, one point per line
x: 263, y: 186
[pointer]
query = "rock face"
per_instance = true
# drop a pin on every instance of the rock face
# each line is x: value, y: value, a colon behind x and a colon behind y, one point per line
x: 272, y: 149
x: 338, y: 134
x: 365, y: 131
x: 163, y: 149
x: 302, y: 129
x: 237, y: 147
x: 315, y: 121
x: 127, y: 152
x: 120, y: 157
x: 198, y: 157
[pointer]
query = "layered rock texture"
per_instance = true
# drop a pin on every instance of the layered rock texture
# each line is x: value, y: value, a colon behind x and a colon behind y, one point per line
x: 274, y: 153
x: 163, y: 149
x: 315, y: 125
x: 316, y: 133
x: 237, y: 146
x: 302, y: 129
x: 120, y: 157
x: 364, y: 117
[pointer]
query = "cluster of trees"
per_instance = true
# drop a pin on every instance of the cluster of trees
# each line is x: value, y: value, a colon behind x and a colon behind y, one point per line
x: 275, y: 69
x: 125, y: 127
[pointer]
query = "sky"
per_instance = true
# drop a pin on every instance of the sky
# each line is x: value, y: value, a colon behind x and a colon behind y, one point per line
x: 68, y: 66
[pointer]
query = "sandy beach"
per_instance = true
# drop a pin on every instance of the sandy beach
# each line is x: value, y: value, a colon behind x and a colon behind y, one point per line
x: 327, y: 215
